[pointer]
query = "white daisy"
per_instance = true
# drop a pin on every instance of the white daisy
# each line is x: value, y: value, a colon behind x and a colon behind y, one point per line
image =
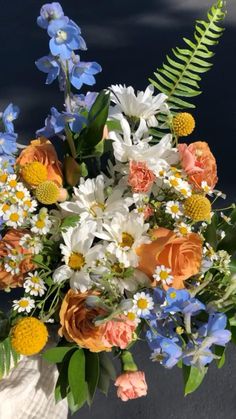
x: 79, y: 256
x: 4, y: 207
x: 182, y: 229
x: 143, y: 105
x: 40, y: 224
x: 32, y: 243
x: 132, y: 316
x: 142, y: 304
x: 125, y: 234
x: 184, y: 188
x: 29, y: 205
x: 25, y: 304
x: 163, y: 274
x: 91, y: 203
x: 34, y: 285
x: 14, y: 216
x: 174, y: 209
x: 21, y: 193
x: 12, y: 263
x: 11, y: 183
x: 206, y: 188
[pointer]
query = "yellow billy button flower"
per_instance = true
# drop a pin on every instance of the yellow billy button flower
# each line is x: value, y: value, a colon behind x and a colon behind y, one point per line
x: 183, y: 124
x: 34, y: 173
x: 198, y: 208
x: 29, y: 336
x: 47, y: 193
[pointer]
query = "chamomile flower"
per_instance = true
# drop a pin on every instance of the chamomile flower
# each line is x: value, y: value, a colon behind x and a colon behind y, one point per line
x: 142, y: 304
x: 14, y: 216
x: 206, y: 188
x: 132, y: 316
x: 11, y: 183
x: 31, y: 243
x: 29, y: 204
x: 182, y: 229
x: 4, y: 207
x: 41, y: 224
x: 163, y: 274
x: 184, y: 189
x: 25, y: 304
x: 174, y: 209
x: 21, y: 193
x: 12, y: 264
x: 34, y: 285
x: 125, y: 234
x: 173, y: 182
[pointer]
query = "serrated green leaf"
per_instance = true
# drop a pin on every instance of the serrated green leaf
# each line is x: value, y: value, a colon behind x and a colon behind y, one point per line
x: 70, y: 221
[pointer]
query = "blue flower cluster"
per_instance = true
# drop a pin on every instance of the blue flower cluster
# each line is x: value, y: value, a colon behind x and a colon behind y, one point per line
x: 8, y: 137
x: 180, y: 328
x: 63, y: 63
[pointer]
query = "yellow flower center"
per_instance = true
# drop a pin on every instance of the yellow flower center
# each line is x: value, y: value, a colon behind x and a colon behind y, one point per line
x: 76, y: 261
x: 127, y: 240
x: 5, y: 207
x: 173, y: 295
x: 174, y: 209
x: 29, y: 336
x: 35, y: 279
x: 34, y: 173
x: 14, y: 217
x: 163, y: 275
x: 40, y: 224
x: 183, y: 230
x: 28, y: 203
x: 20, y: 194
x: 12, y: 183
x: 142, y: 303
x: 3, y: 177
x: 23, y: 303
x: 179, y: 330
x: 174, y: 182
x: 131, y: 316
x: 47, y: 193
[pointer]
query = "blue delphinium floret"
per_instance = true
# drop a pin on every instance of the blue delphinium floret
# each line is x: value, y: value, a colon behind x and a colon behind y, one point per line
x: 8, y: 143
x: 83, y: 73
x: 65, y: 38
x: 181, y: 301
x: 49, y: 12
x: 214, y: 331
x: 83, y: 101
x: 49, y: 65
x: 56, y: 122
x: 165, y: 350
x: 8, y: 116
x: 6, y: 163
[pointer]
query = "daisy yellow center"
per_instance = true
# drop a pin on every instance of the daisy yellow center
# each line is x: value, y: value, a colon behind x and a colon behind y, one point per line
x: 142, y: 303
x: 34, y: 173
x: 12, y: 183
x: 174, y: 209
x: 127, y: 240
x: 20, y: 194
x: 29, y: 336
x: 5, y: 207
x: 183, y: 230
x: 3, y: 178
x: 164, y: 275
x: 14, y: 217
x: 35, y: 279
x: 23, y: 303
x: 131, y: 316
x: 184, y: 192
x: 174, y: 182
x: 40, y: 224
x: 76, y: 261
x: 28, y: 203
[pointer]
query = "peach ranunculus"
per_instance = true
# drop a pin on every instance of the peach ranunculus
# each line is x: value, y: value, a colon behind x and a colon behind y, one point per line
x: 199, y: 164
x: 11, y: 240
x: 77, y: 321
x: 118, y: 332
x: 183, y: 255
x: 131, y: 385
x: 42, y: 151
x: 140, y: 178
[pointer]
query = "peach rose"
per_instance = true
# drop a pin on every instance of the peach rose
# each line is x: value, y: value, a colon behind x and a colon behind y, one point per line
x: 131, y: 385
x: 12, y: 238
x: 199, y: 163
x: 118, y: 333
x: 43, y: 151
x: 140, y: 177
x: 182, y: 255
x: 76, y: 320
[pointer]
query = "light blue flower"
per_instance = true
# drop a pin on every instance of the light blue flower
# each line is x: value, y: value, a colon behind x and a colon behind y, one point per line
x: 65, y: 38
x: 8, y: 143
x: 165, y: 350
x: 83, y: 73
x: 50, y: 66
x: 7, y: 163
x: 48, y: 12
x: 214, y: 331
x: 181, y: 301
x: 197, y: 355
x: 54, y: 124
x: 9, y: 115
x: 84, y: 101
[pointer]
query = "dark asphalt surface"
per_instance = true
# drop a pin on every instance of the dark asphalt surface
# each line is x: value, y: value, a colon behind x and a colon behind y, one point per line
x: 130, y: 39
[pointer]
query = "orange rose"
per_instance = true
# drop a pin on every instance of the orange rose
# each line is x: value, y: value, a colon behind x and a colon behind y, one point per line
x: 77, y: 322
x: 12, y: 238
x: 199, y: 163
x: 182, y: 255
x: 43, y: 151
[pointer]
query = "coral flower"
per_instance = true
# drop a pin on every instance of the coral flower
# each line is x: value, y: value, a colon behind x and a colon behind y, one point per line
x: 182, y: 255
x: 118, y: 332
x: 131, y: 385
x: 42, y: 151
x: 11, y: 240
x: 140, y: 177
x: 77, y: 322
x: 199, y: 164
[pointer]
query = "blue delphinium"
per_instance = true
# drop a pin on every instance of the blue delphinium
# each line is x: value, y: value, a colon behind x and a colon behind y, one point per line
x: 83, y: 73
x: 8, y: 116
x: 56, y: 122
x: 65, y: 38
x: 48, y: 12
x: 50, y: 66
x: 8, y: 143
x: 7, y: 163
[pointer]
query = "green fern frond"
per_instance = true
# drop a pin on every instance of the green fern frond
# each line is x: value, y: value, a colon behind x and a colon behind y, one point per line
x: 8, y: 357
x: 180, y: 75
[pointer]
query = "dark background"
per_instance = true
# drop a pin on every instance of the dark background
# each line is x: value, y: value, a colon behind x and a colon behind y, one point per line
x: 130, y: 38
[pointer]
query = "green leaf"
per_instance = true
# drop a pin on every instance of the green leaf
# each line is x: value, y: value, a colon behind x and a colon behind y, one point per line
x: 76, y: 377
x: 220, y: 352
x: 107, y: 373
x: 92, y: 370
x: 56, y: 355
x: 193, y: 377
x: 70, y: 221
x: 229, y: 241
x: 211, y: 232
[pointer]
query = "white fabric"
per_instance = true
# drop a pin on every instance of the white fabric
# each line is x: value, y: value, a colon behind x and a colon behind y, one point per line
x: 28, y: 392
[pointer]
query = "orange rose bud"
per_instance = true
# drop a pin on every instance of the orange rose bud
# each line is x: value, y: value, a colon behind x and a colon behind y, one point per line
x: 77, y: 324
x: 42, y: 151
x: 182, y: 255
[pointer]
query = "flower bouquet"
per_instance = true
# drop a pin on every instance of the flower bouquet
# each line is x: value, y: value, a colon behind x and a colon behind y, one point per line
x: 122, y: 240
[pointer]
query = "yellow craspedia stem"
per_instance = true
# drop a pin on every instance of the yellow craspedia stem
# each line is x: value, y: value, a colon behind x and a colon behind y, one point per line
x: 183, y: 124
x: 198, y: 208
x: 29, y: 336
x: 34, y: 173
x: 47, y: 193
